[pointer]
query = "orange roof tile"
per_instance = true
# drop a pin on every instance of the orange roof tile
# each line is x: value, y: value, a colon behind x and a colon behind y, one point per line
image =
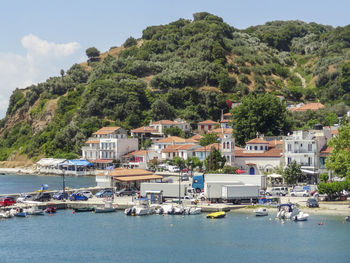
x: 140, y: 152
x: 228, y: 114
x: 270, y: 153
x: 335, y: 132
x: 144, y: 129
x: 326, y: 151
x: 92, y: 142
x: 120, y: 172
x: 138, y: 178
x: 172, y: 139
x: 106, y: 130
x: 208, y: 122
x: 309, y: 106
x: 257, y: 140
x: 273, y: 143
x: 176, y: 148
x: 222, y: 130
x: 224, y: 121
x: 208, y: 147
x: 196, y: 137
x: 165, y: 122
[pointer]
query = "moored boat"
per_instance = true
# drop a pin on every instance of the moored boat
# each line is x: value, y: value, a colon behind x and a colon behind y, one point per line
x: 108, y: 208
x: 19, y: 212
x: 84, y: 209
x: 50, y: 210
x: 6, y: 214
x: 34, y: 211
x: 216, y: 215
x: 301, y: 216
x: 141, y: 208
x: 287, y: 211
x: 261, y: 212
x: 193, y: 210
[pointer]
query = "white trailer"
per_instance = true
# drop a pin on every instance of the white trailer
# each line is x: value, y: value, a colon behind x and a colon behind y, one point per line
x: 170, y: 190
x: 240, y: 193
x: 213, y: 190
x: 246, y: 179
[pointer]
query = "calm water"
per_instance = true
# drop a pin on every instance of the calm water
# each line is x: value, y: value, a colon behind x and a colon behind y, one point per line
x: 87, y: 237
x: 29, y: 183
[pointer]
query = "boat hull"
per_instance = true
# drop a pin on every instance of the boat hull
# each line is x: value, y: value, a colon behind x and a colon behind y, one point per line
x: 105, y: 210
x: 216, y: 215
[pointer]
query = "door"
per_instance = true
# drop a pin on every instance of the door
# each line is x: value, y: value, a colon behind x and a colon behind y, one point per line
x: 251, y: 170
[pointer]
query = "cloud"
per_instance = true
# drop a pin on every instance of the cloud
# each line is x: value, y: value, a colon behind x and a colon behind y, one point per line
x: 42, y: 60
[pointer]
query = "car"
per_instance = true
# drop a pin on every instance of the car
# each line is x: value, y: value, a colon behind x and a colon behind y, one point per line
x: 299, y: 192
x: 312, y: 202
x: 78, y: 197
x: 125, y: 191
x: 59, y: 195
x: 88, y: 194
x: 41, y: 197
x: 24, y: 197
x: 7, y: 200
x: 185, y: 177
x: 105, y: 193
x: 277, y: 191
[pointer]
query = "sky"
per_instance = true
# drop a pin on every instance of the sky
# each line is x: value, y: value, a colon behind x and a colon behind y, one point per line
x: 39, y: 38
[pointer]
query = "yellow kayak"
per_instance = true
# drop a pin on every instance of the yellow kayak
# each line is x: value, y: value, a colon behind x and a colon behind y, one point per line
x: 216, y: 215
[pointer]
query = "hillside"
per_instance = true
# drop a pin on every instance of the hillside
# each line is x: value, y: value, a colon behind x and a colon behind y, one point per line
x: 187, y: 69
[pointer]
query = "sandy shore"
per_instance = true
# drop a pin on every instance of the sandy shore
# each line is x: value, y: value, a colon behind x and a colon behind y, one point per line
x: 18, y: 171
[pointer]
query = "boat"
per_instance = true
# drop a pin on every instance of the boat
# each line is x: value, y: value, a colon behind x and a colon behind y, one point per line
x: 34, y: 210
x: 261, y: 212
x: 193, y: 210
x: 141, y: 208
x: 301, y: 216
x: 108, y: 208
x: 84, y: 209
x: 50, y: 210
x: 6, y: 214
x: 19, y: 212
x: 216, y: 215
x: 287, y: 211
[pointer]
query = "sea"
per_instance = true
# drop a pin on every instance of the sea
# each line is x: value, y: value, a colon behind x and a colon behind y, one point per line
x: 115, y: 237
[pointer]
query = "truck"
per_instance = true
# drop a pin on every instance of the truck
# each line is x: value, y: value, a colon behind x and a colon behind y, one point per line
x: 170, y: 190
x: 240, y: 193
x: 199, y: 180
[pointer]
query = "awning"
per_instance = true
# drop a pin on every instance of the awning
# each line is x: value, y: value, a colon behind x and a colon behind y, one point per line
x: 240, y: 171
x: 102, y: 161
x: 309, y: 171
x: 76, y: 163
x: 137, y: 178
x: 274, y: 175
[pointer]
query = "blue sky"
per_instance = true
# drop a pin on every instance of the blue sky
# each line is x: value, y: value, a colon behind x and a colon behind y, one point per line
x: 41, y: 37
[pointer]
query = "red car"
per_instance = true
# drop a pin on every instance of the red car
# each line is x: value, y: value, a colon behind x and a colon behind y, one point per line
x: 7, y: 201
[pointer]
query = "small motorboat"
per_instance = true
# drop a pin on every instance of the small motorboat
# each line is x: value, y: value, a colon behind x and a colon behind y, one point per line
x: 261, y: 212
x: 216, y: 215
x: 141, y: 208
x: 20, y: 212
x: 193, y: 210
x: 108, y: 208
x: 84, y: 209
x: 287, y: 211
x: 6, y: 214
x: 50, y: 210
x: 35, y: 211
x: 301, y: 216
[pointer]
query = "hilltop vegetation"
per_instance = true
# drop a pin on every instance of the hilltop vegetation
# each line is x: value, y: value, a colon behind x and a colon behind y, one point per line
x: 188, y: 69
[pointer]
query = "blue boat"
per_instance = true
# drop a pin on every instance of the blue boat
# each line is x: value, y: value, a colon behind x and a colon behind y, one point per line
x: 20, y: 212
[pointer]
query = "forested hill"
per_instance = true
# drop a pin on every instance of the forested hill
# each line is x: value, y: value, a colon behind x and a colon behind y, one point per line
x: 187, y: 69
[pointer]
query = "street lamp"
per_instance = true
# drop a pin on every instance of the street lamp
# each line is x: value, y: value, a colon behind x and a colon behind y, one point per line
x: 64, y: 186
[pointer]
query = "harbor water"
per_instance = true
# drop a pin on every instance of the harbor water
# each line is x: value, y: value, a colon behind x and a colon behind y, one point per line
x: 28, y: 183
x: 115, y: 237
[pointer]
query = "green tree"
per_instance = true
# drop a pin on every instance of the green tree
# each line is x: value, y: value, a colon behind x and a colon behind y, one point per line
x: 324, y: 177
x: 161, y: 110
x: 129, y: 42
x: 174, y: 131
x: 333, y: 189
x: 263, y: 113
x: 92, y: 52
x: 292, y: 173
x: 215, y: 160
x: 339, y: 158
x: 208, y: 138
x: 227, y: 169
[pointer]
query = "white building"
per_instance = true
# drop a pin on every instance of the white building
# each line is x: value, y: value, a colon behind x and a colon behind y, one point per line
x: 108, y: 143
x: 161, y: 125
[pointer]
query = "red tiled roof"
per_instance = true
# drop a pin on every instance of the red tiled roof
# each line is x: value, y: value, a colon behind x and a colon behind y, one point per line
x: 270, y: 153
x: 176, y: 148
x: 326, y: 151
x: 309, y: 106
x: 102, y: 161
x: 224, y: 121
x: 208, y: 122
x: 228, y: 114
x: 165, y: 122
x: 222, y: 130
x: 92, y: 142
x: 273, y: 143
x: 172, y: 139
x: 335, y: 132
x: 208, y: 147
x: 140, y: 152
x: 106, y: 130
x: 257, y: 140
x: 196, y: 137
x: 144, y: 129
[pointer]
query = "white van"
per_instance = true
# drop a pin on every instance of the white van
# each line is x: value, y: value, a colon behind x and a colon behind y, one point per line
x: 173, y: 169
x: 278, y: 191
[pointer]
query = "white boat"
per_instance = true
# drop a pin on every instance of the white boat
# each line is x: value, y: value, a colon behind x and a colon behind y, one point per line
x: 6, y: 214
x: 108, y: 208
x: 287, y: 211
x: 193, y: 210
x: 301, y: 216
x: 18, y: 212
x: 34, y: 210
x: 261, y: 212
x: 142, y: 208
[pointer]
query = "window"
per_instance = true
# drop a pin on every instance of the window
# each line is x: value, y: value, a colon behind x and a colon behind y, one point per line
x: 266, y: 148
x: 255, y: 148
x: 309, y: 147
x: 202, y: 127
x: 209, y: 127
x: 223, y: 145
x: 289, y: 147
x: 250, y: 147
x: 289, y: 160
x: 261, y: 148
x: 228, y: 145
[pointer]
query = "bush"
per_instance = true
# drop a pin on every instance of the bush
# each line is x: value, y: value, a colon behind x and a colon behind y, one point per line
x: 130, y: 42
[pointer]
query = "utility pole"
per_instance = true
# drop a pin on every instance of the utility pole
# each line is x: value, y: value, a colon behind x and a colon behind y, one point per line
x: 64, y: 186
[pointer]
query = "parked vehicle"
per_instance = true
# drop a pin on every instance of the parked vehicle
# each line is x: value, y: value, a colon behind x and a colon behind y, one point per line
x: 7, y: 201
x: 170, y: 190
x: 277, y: 191
x: 43, y: 196
x: 59, y: 195
x: 240, y: 193
x: 105, y: 193
x: 185, y: 177
x: 78, y: 197
x: 312, y: 202
x: 125, y: 191
x: 173, y: 169
x: 88, y: 194
x: 299, y: 192
x: 24, y: 197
